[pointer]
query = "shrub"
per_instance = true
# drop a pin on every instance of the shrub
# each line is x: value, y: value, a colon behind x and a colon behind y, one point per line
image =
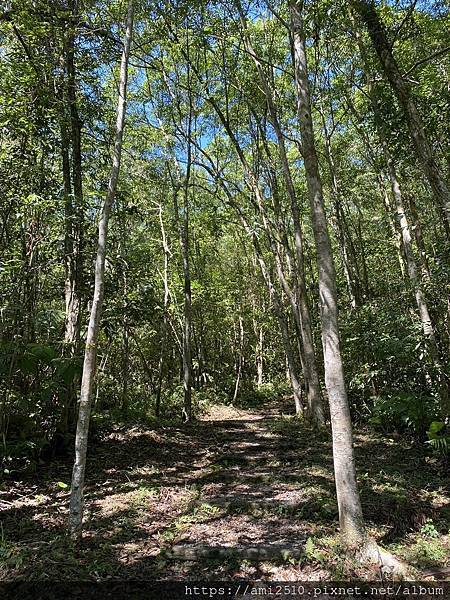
x: 404, y: 412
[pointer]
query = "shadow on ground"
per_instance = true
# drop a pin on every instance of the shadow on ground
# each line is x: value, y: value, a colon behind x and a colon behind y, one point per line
x: 251, y: 482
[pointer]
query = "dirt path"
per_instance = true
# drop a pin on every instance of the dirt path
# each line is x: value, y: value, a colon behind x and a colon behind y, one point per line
x: 237, y: 485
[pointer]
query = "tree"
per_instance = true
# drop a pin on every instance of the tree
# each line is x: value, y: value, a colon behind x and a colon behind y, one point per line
x: 350, y: 511
x: 310, y: 367
x: 89, y: 366
x: 422, y: 145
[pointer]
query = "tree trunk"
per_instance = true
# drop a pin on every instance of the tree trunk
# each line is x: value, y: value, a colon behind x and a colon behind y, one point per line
x: 77, y: 212
x: 422, y: 306
x: 73, y: 214
x: 290, y: 359
x: 284, y: 329
x: 350, y: 512
x: 183, y: 227
x: 352, y: 284
x: 125, y: 346
x: 424, y: 151
x: 72, y: 305
x: 418, y: 235
x: 89, y: 366
x: 239, y: 359
x: 187, y: 350
x: 397, y: 236
x: 164, y: 325
x: 260, y: 358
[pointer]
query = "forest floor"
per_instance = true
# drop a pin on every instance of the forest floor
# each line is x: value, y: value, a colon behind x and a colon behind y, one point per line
x: 239, y: 478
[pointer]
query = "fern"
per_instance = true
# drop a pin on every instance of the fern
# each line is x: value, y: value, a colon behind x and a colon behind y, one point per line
x: 439, y: 441
x: 441, y: 444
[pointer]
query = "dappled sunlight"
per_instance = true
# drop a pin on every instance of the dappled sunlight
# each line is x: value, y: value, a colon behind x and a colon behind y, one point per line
x: 251, y: 483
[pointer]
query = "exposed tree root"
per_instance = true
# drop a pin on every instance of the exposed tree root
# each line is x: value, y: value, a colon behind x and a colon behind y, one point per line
x: 288, y: 506
x: 388, y: 563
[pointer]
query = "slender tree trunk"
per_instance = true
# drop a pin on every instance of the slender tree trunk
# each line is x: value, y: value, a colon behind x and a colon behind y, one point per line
x: 290, y: 358
x: 71, y: 318
x: 350, y: 512
x: 145, y: 364
x: 125, y: 367
x: 125, y: 346
x: 73, y: 202
x: 397, y: 236
x: 89, y: 367
x: 418, y: 236
x: 239, y: 359
x: 183, y: 227
x: 424, y: 151
x: 76, y: 216
x: 164, y: 325
x: 260, y: 358
x: 70, y: 289
x: 352, y: 287
x: 187, y: 349
x: 422, y: 306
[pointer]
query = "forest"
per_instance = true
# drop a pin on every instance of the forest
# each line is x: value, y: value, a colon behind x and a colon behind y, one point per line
x: 224, y: 290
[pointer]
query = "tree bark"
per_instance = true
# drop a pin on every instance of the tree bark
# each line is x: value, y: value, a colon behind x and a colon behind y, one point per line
x: 164, y: 324
x: 350, y: 511
x: 72, y: 304
x: 125, y: 349
x: 239, y: 359
x: 89, y: 366
x: 74, y: 313
x: 418, y: 236
x: 183, y: 227
x: 260, y: 357
x: 397, y: 236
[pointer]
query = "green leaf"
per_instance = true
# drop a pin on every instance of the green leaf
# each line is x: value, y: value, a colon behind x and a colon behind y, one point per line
x: 435, y: 427
x: 44, y: 353
x: 28, y: 364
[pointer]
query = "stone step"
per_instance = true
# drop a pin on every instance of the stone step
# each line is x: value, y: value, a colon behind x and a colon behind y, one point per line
x: 256, y: 553
x: 250, y: 503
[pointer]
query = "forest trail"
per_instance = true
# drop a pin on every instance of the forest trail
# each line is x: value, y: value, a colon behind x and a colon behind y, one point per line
x: 234, y: 484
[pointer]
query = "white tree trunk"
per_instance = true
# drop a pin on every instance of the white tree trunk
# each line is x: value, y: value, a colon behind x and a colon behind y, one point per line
x: 89, y: 366
x: 422, y: 306
x: 350, y: 512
